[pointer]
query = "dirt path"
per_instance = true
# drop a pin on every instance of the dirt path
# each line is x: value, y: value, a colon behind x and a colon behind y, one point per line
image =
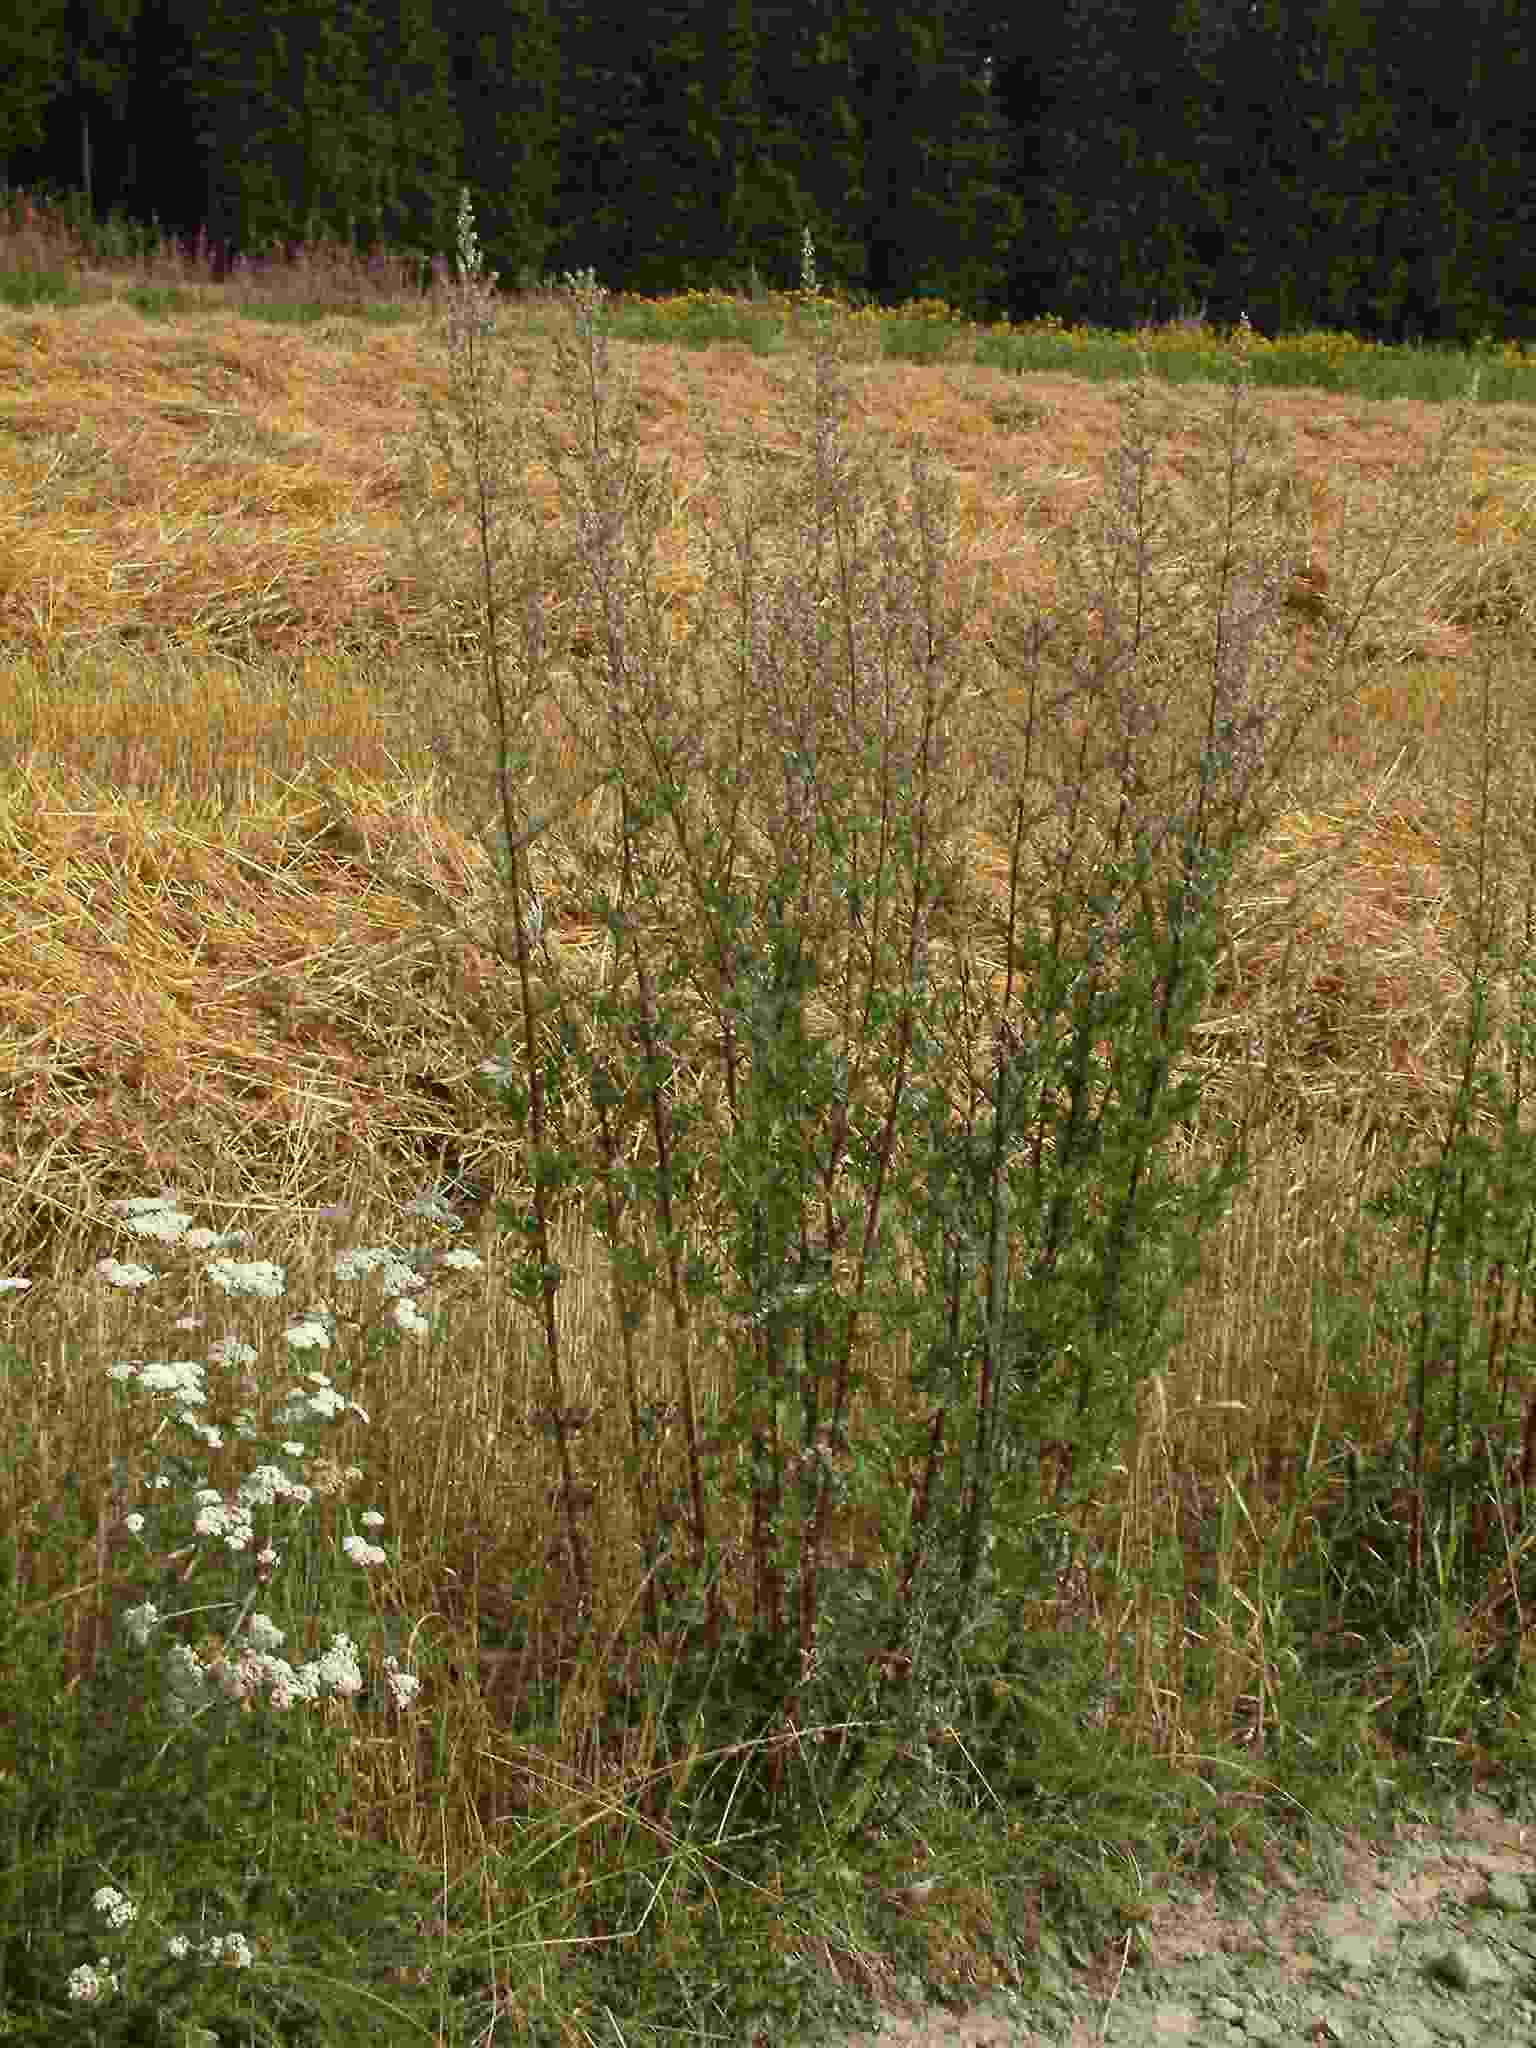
x: 1426, y: 1940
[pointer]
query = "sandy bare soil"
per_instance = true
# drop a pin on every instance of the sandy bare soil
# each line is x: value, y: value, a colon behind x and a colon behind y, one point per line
x: 1425, y: 1937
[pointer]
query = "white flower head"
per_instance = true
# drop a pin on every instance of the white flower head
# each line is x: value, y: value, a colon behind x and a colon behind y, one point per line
x: 410, y: 1319
x: 139, y: 1622
x: 231, y: 1949
x: 340, y: 1670
x: 182, y: 1378
x: 88, y: 1986
x: 460, y: 1259
x: 114, y: 1907
x: 116, y: 1274
x: 270, y: 1483
x: 232, y: 1351
x: 403, y: 1686
x: 252, y: 1276
x: 230, y: 1520
x: 156, y: 1217
x: 264, y: 1632
x: 187, y: 1682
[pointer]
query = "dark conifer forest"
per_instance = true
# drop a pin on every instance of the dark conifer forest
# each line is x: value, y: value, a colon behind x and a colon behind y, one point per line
x: 1314, y: 163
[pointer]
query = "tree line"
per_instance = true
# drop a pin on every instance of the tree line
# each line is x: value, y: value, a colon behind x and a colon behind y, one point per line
x: 1345, y: 163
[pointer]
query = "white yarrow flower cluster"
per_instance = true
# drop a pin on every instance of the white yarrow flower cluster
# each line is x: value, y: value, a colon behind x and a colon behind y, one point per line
x: 230, y: 1521
x: 251, y: 1666
x: 115, y: 1909
x: 233, y: 1949
x: 264, y: 1633
x: 403, y: 1687
x: 258, y: 1672
x: 87, y: 1985
x: 324, y: 1403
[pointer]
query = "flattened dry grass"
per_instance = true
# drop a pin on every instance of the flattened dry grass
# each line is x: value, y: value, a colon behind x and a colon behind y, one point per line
x: 254, y: 929
x: 204, y: 600
x: 228, y: 839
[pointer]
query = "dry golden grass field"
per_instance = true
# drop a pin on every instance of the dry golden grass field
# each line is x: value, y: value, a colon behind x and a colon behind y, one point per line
x: 200, y: 577
x: 254, y: 952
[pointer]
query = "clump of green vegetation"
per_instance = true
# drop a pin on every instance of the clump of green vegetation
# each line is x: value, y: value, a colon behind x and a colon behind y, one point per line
x: 55, y: 254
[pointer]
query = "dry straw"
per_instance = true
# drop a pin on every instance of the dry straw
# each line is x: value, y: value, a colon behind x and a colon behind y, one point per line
x: 885, y: 945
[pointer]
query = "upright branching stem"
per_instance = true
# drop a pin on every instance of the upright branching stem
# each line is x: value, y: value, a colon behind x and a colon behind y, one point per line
x: 673, y: 1239
x: 469, y: 327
